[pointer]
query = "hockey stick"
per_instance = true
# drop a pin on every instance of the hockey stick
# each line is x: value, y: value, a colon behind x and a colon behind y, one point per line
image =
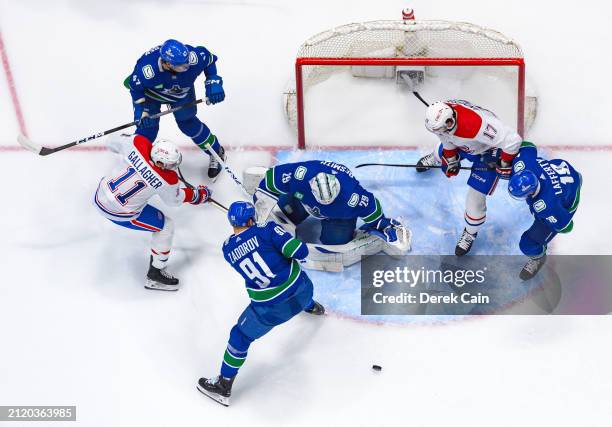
x: 45, y: 151
x: 229, y: 171
x: 420, y: 166
x: 420, y: 98
x: 210, y: 200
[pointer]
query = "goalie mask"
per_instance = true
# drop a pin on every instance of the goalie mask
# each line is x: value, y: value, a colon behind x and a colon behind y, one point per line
x: 166, y: 155
x: 325, y: 188
x: 440, y: 118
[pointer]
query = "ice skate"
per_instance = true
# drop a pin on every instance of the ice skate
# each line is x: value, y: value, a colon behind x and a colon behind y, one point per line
x: 160, y: 280
x: 465, y: 243
x: 218, y: 389
x: 532, y: 267
x: 317, y: 309
x: 214, y: 167
x: 425, y: 162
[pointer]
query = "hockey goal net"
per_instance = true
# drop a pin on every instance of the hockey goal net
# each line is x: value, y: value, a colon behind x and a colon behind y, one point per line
x: 421, y: 49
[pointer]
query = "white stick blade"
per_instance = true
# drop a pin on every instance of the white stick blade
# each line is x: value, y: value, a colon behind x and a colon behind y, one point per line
x: 26, y: 143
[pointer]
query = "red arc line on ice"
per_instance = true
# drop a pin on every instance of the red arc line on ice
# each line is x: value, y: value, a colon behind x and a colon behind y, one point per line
x: 11, y: 86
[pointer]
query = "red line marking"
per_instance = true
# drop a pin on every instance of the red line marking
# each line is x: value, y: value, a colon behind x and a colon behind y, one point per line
x: 12, y: 89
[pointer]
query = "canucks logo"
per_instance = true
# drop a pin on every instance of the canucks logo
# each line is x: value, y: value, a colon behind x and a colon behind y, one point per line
x: 539, y: 205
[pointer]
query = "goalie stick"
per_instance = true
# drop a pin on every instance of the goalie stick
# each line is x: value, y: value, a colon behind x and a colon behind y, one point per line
x: 41, y: 150
x: 421, y: 166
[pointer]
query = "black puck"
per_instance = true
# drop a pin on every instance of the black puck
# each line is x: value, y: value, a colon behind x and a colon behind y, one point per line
x: 377, y: 368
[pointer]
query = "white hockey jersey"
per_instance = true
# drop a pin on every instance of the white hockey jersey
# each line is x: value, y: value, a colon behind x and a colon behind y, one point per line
x: 123, y: 194
x: 478, y: 130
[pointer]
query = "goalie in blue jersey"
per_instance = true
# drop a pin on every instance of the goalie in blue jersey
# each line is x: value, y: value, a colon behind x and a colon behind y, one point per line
x: 268, y: 258
x: 165, y: 75
x: 327, y: 191
x: 551, y: 189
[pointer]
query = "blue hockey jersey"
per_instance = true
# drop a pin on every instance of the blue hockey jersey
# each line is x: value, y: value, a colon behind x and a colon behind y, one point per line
x: 353, y: 201
x: 266, y: 257
x: 150, y: 81
x: 559, y: 195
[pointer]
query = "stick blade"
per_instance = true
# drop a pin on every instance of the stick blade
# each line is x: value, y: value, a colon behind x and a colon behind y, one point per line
x: 28, y: 144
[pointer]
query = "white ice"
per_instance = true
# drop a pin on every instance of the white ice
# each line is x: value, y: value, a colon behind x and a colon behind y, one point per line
x: 79, y: 329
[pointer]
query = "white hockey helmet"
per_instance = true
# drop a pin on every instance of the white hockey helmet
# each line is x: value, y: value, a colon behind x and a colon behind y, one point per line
x: 325, y: 188
x: 440, y: 117
x: 165, y: 154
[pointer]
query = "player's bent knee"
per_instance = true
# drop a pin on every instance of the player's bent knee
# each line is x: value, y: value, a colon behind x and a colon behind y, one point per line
x: 193, y: 128
x: 150, y: 133
x: 239, y: 340
x: 529, y: 246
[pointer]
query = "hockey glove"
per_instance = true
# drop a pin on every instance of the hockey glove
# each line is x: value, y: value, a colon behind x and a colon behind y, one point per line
x: 196, y: 196
x: 385, y: 228
x: 451, y: 165
x: 214, y: 89
x: 141, y: 117
x: 504, y: 165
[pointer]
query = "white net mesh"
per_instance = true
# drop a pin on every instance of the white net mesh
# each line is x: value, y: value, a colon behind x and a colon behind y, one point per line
x: 396, y: 39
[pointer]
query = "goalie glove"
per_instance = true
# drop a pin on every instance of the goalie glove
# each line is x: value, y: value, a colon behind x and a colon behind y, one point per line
x: 385, y: 228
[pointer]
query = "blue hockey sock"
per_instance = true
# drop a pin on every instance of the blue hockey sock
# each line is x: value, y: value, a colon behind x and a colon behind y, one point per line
x: 235, y: 353
x: 232, y: 361
x: 209, y: 143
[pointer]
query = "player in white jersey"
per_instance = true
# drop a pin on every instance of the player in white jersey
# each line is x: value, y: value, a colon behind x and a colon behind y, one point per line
x: 122, y: 196
x: 473, y: 133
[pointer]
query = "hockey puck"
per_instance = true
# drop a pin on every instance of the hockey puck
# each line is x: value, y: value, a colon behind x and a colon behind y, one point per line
x: 377, y: 368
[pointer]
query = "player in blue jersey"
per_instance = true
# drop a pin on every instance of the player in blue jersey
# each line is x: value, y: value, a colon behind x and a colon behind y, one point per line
x: 166, y: 75
x: 551, y: 189
x: 328, y: 191
x: 267, y: 257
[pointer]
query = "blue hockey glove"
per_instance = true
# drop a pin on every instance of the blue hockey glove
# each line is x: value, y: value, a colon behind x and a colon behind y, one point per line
x: 214, y: 89
x: 385, y: 228
x: 141, y: 117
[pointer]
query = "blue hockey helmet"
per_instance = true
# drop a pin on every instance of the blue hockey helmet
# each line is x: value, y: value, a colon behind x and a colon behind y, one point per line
x: 523, y: 184
x: 175, y: 53
x: 239, y: 213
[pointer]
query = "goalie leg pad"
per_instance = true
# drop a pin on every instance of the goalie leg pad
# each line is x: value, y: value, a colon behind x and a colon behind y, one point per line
x: 334, y: 258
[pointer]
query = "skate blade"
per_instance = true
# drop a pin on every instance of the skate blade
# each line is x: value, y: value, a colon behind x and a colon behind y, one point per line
x: 219, y: 399
x: 156, y: 286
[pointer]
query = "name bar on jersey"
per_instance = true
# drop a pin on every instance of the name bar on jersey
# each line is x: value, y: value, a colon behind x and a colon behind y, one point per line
x: 143, y: 170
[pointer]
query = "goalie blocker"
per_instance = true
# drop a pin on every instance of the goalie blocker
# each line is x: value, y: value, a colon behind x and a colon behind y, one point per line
x: 324, y: 257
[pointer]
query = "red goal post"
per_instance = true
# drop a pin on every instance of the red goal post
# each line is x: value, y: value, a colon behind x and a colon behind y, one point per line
x: 401, y: 43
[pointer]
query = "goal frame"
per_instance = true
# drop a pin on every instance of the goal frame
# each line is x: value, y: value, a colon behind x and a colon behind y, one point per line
x: 459, y: 62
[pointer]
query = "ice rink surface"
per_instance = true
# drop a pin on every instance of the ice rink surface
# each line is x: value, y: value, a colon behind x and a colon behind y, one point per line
x: 79, y: 329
